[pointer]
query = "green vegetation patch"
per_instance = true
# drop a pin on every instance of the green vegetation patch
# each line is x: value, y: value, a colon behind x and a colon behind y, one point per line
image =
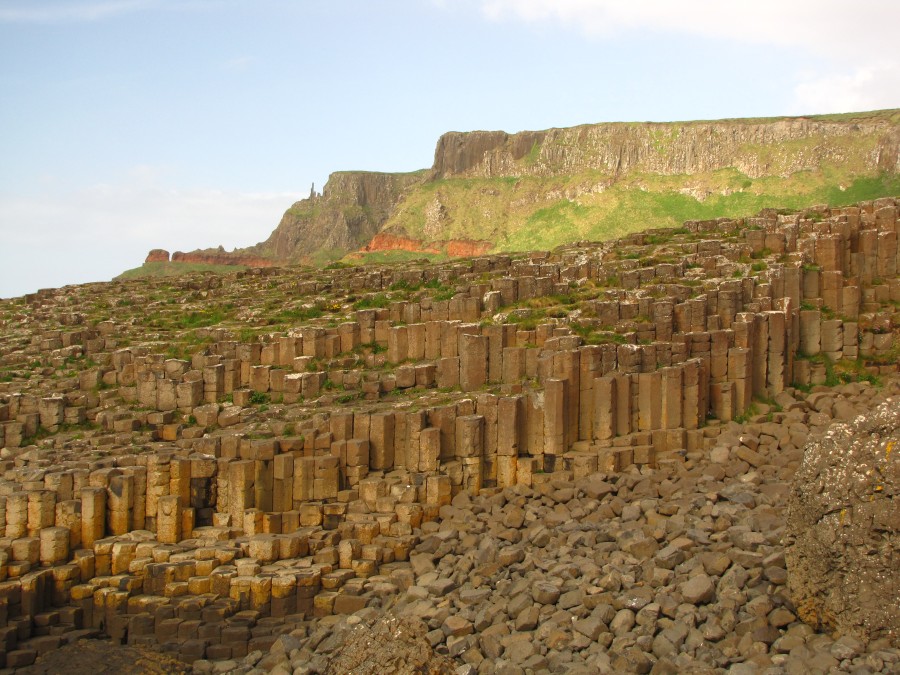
x: 388, y: 257
x: 549, y: 227
x: 295, y: 315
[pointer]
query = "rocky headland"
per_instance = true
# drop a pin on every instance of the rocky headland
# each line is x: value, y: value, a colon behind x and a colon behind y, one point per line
x: 491, y: 191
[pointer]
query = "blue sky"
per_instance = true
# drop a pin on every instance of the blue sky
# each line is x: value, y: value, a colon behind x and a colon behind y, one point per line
x: 127, y: 125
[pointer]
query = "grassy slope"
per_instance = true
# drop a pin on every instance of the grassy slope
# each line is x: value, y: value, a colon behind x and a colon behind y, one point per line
x: 381, y: 257
x: 625, y: 209
x: 168, y: 269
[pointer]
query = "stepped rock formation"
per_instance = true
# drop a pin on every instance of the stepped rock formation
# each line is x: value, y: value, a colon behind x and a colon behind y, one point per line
x: 539, y: 189
x: 571, y: 461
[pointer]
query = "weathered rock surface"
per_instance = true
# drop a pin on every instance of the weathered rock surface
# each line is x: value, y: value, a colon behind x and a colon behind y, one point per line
x: 350, y: 211
x: 157, y: 255
x: 542, y: 580
x: 667, y: 148
x: 100, y: 657
x: 390, y: 645
x: 384, y: 241
x: 844, y: 527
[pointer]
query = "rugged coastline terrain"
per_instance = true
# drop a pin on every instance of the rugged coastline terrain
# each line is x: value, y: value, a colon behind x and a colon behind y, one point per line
x: 577, y: 460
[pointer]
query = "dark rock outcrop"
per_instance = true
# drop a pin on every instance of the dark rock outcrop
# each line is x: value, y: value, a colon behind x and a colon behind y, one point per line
x: 844, y: 528
x: 458, y: 152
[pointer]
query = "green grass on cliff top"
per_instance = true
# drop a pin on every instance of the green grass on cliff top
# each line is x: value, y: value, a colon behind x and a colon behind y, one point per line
x: 886, y: 114
x: 170, y: 269
x: 892, y: 114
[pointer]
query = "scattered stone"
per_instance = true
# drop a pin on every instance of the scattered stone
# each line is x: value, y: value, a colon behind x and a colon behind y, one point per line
x: 698, y: 590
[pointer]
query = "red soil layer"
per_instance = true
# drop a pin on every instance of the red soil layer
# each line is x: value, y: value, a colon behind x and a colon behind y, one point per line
x: 391, y: 242
x: 456, y: 248
x: 466, y: 248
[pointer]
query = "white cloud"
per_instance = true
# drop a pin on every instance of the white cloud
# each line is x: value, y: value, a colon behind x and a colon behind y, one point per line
x: 855, y: 41
x: 97, y: 233
x: 827, y: 26
x: 871, y: 87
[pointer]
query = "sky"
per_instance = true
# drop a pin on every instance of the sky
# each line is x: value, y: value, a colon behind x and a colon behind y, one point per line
x: 127, y: 125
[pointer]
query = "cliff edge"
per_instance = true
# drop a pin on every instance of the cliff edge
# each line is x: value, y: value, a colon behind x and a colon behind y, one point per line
x: 491, y: 190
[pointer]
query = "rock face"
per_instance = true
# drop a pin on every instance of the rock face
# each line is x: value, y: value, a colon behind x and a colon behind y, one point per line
x: 467, y: 249
x: 357, y: 206
x: 157, y: 255
x: 384, y: 241
x: 663, y: 148
x: 351, y: 210
x: 844, y: 528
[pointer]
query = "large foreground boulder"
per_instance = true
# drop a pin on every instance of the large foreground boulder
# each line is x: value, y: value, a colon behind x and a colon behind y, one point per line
x: 391, y: 645
x: 843, y: 541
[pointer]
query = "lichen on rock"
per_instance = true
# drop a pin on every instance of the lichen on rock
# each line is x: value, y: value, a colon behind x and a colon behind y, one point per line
x: 390, y: 645
x: 844, y: 528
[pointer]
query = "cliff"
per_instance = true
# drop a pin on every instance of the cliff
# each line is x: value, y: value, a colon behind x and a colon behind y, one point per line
x: 491, y: 190
x: 754, y: 148
x: 540, y: 189
x: 349, y: 212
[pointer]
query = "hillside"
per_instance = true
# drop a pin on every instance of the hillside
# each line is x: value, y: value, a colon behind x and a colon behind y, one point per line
x: 494, y: 191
